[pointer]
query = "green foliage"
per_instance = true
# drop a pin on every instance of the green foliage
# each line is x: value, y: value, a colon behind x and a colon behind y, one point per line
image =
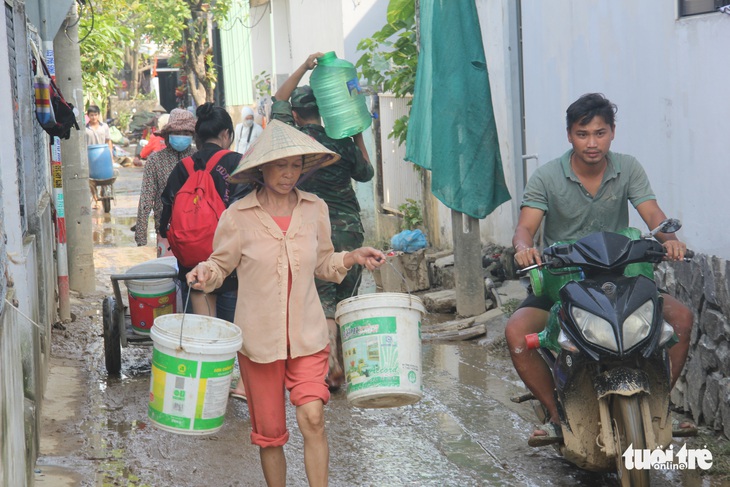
x: 123, y: 120
x: 116, y: 25
x: 102, y: 55
x: 390, y: 57
x: 412, y: 216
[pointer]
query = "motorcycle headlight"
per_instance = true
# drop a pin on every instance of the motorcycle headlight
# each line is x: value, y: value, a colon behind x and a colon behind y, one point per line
x: 638, y: 324
x: 595, y: 329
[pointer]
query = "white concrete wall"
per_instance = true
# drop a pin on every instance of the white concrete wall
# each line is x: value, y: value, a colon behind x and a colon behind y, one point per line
x: 260, y: 22
x: 361, y: 19
x: 301, y: 27
x: 669, y: 78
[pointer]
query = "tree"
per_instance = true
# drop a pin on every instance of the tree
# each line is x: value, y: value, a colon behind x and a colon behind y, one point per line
x: 187, y: 32
x: 181, y: 26
x: 391, y: 57
x: 102, y: 52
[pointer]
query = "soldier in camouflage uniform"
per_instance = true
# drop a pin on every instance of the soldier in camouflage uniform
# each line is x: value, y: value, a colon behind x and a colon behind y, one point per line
x: 334, y: 185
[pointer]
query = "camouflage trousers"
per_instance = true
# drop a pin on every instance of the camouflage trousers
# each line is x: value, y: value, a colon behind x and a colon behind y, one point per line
x: 331, y: 293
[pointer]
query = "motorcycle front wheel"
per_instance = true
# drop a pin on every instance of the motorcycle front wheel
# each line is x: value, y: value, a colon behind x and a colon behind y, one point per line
x: 628, y: 430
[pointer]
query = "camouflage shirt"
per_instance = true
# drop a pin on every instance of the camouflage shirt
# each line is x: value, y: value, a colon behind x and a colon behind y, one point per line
x: 333, y: 183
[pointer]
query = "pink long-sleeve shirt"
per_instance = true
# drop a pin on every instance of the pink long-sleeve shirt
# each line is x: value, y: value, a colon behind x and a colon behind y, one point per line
x: 247, y: 239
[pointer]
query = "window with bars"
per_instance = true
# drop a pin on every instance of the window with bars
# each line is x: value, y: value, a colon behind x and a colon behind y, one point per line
x: 695, y: 7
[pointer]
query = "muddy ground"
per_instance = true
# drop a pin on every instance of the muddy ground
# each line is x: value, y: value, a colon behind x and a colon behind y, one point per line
x: 464, y: 432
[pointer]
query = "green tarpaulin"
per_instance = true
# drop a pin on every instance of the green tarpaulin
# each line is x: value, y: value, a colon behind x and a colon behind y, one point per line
x: 451, y: 129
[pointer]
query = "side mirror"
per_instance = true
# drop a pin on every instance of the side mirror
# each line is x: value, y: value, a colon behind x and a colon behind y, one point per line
x: 670, y: 225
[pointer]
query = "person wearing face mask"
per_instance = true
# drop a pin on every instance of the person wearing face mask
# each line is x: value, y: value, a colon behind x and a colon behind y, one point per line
x: 247, y: 131
x: 178, y: 136
x: 213, y: 133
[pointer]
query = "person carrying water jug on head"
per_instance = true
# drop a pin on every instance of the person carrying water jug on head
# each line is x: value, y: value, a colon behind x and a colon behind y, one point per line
x: 278, y: 237
x: 297, y: 106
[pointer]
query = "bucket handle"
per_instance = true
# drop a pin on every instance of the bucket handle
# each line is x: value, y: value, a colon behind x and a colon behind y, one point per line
x: 405, y: 282
x: 185, y: 307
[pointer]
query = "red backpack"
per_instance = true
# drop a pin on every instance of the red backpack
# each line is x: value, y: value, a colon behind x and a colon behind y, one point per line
x: 195, y: 212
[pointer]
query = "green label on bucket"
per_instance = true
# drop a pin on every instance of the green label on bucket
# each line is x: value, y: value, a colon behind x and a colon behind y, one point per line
x: 174, y: 365
x: 368, y: 326
x: 168, y: 419
x: 216, y: 369
x: 370, y: 350
x: 189, y: 395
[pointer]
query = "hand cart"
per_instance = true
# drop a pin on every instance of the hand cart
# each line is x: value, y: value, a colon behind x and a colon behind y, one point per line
x: 105, y: 188
x: 117, y: 322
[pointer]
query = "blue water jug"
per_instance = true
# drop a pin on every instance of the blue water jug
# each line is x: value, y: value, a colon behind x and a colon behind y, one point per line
x: 100, y: 162
x: 339, y: 97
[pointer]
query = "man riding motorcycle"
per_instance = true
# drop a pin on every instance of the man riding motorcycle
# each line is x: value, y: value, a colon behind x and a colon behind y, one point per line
x: 587, y: 190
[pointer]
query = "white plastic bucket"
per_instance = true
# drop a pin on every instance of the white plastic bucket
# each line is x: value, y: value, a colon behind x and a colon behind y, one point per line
x: 189, y: 385
x: 381, y: 346
x: 150, y: 298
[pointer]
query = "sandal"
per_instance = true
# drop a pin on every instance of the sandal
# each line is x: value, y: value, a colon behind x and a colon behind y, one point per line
x: 679, y: 431
x: 554, y: 434
x: 237, y: 395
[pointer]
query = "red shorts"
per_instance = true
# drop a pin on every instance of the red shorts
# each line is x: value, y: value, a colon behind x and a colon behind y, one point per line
x: 303, y: 377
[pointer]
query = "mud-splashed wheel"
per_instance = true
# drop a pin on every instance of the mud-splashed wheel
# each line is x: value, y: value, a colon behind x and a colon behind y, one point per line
x: 112, y: 342
x: 628, y: 430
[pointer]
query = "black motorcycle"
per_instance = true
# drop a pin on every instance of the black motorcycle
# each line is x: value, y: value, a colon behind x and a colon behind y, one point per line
x: 606, y: 343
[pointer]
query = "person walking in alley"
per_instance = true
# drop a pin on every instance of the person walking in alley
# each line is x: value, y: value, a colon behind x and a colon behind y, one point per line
x: 213, y: 133
x: 97, y: 132
x: 279, y: 238
x: 297, y: 106
x: 247, y: 131
x: 584, y: 191
x: 178, y: 137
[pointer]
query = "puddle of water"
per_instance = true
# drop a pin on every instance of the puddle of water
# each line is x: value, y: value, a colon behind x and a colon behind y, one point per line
x: 109, y: 230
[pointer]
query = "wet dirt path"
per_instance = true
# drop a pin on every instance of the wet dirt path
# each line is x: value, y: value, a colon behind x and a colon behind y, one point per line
x: 464, y: 432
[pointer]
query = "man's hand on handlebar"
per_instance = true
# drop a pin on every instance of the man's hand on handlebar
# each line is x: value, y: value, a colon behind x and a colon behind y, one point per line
x: 527, y: 257
x: 676, y: 250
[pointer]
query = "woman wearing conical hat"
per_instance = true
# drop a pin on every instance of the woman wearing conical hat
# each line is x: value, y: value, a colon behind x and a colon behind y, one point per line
x: 278, y: 237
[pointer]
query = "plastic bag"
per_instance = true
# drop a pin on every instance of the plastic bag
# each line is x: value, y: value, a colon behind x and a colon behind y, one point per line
x: 409, y: 241
x: 116, y: 135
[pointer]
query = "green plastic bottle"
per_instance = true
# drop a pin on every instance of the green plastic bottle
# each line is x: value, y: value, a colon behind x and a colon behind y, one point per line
x: 547, y: 338
x: 339, y: 97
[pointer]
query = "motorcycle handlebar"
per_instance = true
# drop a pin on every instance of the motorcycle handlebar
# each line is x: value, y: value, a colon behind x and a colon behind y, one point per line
x: 556, y: 263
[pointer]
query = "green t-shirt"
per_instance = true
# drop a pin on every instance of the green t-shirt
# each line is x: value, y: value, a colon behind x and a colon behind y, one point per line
x: 571, y: 212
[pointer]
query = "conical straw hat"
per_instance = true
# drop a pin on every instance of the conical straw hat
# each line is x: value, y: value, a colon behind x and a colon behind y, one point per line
x: 278, y: 141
